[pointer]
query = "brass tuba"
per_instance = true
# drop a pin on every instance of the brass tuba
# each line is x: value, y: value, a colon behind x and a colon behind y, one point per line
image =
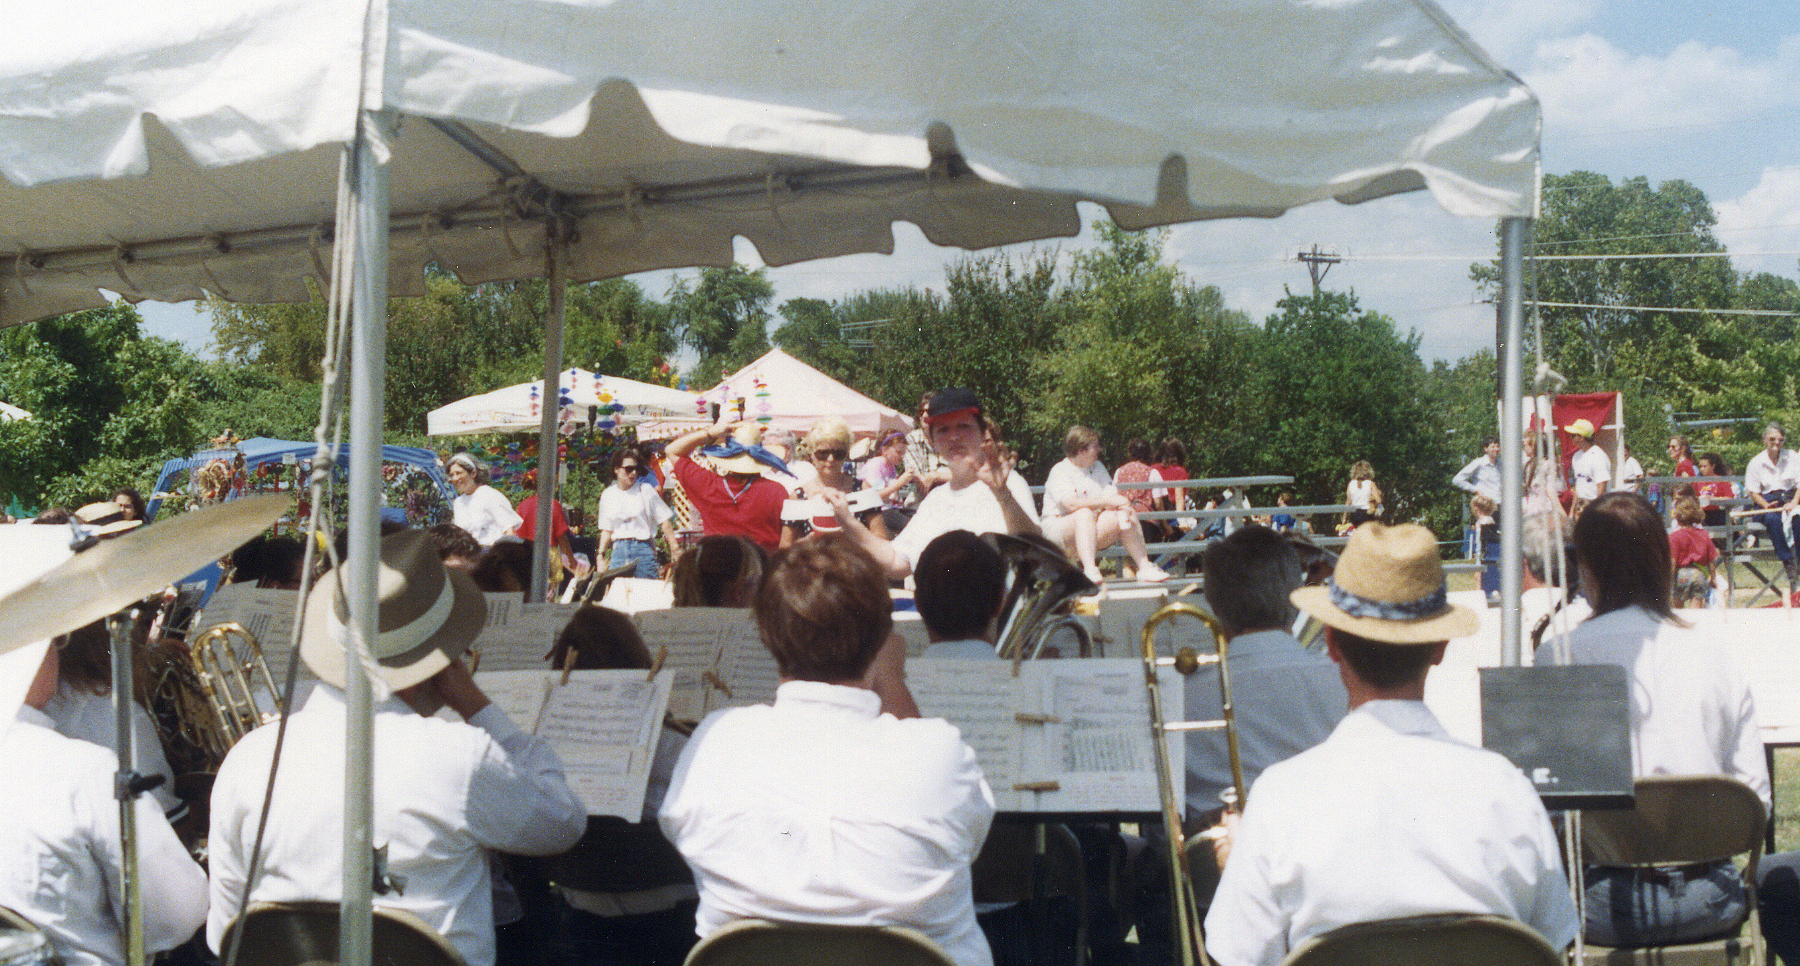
x: 1042, y: 582
x: 1188, y: 937
x: 216, y: 689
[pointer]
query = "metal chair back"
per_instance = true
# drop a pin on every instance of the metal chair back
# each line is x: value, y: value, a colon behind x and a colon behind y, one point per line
x: 759, y: 942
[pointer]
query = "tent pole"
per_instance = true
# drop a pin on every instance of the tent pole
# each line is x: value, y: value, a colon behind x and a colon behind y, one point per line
x: 1512, y: 476
x: 545, y: 544
x: 368, y: 368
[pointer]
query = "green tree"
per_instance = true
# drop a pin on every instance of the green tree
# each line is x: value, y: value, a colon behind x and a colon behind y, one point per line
x: 813, y: 333
x: 1615, y: 340
x: 724, y: 316
x: 1141, y: 351
x: 1341, y: 385
x: 107, y: 404
x: 995, y: 316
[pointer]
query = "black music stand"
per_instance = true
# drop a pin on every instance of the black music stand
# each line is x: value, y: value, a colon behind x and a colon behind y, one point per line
x: 1567, y: 727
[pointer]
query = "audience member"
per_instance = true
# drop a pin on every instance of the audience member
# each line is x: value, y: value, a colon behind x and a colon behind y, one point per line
x: 1363, y: 495
x: 1772, y: 482
x: 479, y: 508
x: 629, y: 515
x: 1085, y: 513
x: 736, y: 500
x: 1692, y: 554
x: 718, y: 572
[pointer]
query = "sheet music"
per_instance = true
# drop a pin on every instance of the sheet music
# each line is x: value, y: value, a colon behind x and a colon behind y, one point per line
x: 518, y: 693
x: 266, y: 612
x: 1093, y: 742
x: 1099, y: 746
x: 691, y: 635
x: 603, y: 724
x: 978, y: 697
x: 518, y: 635
x: 745, y: 665
x: 806, y: 509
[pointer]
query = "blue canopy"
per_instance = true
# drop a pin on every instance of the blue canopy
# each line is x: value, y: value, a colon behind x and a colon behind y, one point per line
x: 262, y: 450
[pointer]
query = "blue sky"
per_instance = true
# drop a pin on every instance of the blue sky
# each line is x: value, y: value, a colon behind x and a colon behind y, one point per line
x: 1708, y: 92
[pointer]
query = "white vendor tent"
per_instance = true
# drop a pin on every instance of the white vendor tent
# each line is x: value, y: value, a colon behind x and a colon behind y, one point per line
x: 10, y: 412
x: 793, y: 395
x: 582, y: 399
x: 163, y: 150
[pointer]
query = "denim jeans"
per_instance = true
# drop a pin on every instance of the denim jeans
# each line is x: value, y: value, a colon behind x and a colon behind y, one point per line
x: 642, y: 551
x: 1642, y: 907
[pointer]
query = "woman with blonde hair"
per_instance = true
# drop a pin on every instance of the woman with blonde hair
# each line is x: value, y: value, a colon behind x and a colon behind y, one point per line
x: 827, y: 448
x: 1363, y: 495
x: 1085, y: 513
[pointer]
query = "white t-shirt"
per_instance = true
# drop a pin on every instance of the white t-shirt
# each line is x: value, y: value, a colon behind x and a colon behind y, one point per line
x: 486, y: 513
x: 632, y: 514
x: 1630, y: 473
x: 1592, y: 470
x: 973, y: 508
x: 1067, y: 481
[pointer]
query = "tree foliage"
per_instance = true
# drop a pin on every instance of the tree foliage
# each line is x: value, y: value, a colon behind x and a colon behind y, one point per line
x: 724, y: 317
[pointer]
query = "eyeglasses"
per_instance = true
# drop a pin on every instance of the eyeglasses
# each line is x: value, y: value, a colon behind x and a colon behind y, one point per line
x: 831, y: 454
x: 631, y: 468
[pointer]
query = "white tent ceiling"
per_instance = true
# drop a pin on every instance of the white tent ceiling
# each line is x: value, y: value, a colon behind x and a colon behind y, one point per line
x: 162, y: 155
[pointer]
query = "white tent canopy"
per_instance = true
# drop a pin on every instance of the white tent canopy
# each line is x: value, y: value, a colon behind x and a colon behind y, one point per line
x: 793, y: 395
x: 164, y: 150
x: 10, y: 412
x: 580, y: 393
x: 666, y: 131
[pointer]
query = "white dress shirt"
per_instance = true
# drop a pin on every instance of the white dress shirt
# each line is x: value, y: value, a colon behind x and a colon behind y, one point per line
x: 1389, y: 817
x: 486, y: 513
x: 1068, y: 481
x: 1286, y: 699
x: 1592, y: 472
x: 973, y: 508
x: 60, y: 848
x: 1482, y: 476
x: 1691, y: 712
x: 89, y: 717
x: 632, y: 514
x: 1764, y: 475
x: 444, y: 793
x: 820, y: 808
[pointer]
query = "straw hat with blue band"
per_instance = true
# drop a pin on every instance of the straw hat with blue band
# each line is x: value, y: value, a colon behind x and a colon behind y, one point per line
x: 1389, y: 587
x: 744, y: 453
x: 427, y: 616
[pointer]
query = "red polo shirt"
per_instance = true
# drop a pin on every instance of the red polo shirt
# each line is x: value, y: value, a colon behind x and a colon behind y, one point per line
x: 731, y: 509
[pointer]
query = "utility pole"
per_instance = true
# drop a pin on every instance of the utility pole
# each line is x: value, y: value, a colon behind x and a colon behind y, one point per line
x: 1318, y: 264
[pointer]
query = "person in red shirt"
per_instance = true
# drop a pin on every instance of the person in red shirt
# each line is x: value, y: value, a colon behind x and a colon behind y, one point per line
x: 559, y: 523
x: 1692, y: 554
x: 737, y: 500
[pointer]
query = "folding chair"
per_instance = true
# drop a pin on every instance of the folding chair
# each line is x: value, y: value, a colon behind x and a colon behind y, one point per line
x: 306, y: 934
x: 1008, y: 869
x: 1679, y: 821
x: 1465, y: 939
x: 759, y: 942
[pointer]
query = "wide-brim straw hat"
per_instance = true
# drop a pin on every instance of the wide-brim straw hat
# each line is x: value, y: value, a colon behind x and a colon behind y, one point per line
x: 1389, y: 586
x: 427, y: 615
x: 745, y: 436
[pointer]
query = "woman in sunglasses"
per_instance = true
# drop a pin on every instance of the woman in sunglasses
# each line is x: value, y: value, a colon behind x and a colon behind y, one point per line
x: 827, y: 448
x: 629, y: 515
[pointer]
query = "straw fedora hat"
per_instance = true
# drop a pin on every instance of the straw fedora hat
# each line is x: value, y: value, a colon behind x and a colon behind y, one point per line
x: 427, y: 615
x: 1389, y: 586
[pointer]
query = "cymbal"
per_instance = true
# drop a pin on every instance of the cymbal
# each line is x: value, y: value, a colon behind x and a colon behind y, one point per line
x: 116, y: 572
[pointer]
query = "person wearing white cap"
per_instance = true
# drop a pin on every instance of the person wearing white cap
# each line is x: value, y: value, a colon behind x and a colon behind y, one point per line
x: 1389, y: 816
x: 1590, y: 469
x: 445, y: 792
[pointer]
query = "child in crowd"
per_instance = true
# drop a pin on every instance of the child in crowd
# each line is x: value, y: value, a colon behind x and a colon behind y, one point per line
x: 1692, y: 553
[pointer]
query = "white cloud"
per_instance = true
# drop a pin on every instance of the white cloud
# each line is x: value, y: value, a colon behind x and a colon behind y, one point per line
x: 1591, y: 87
x: 1765, y: 218
x: 1511, y: 29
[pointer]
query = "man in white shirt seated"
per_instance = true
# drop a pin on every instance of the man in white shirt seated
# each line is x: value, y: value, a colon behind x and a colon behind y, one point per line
x: 1286, y: 698
x: 983, y: 494
x: 820, y: 808
x: 445, y: 792
x: 1390, y: 816
x: 59, y: 832
x: 959, y: 588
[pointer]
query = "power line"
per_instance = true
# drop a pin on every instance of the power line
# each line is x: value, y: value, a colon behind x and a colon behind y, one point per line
x: 1547, y: 258
x: 1654, y: 308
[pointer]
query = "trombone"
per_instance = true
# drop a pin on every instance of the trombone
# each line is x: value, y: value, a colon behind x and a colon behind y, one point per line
x: 1186, y: 661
